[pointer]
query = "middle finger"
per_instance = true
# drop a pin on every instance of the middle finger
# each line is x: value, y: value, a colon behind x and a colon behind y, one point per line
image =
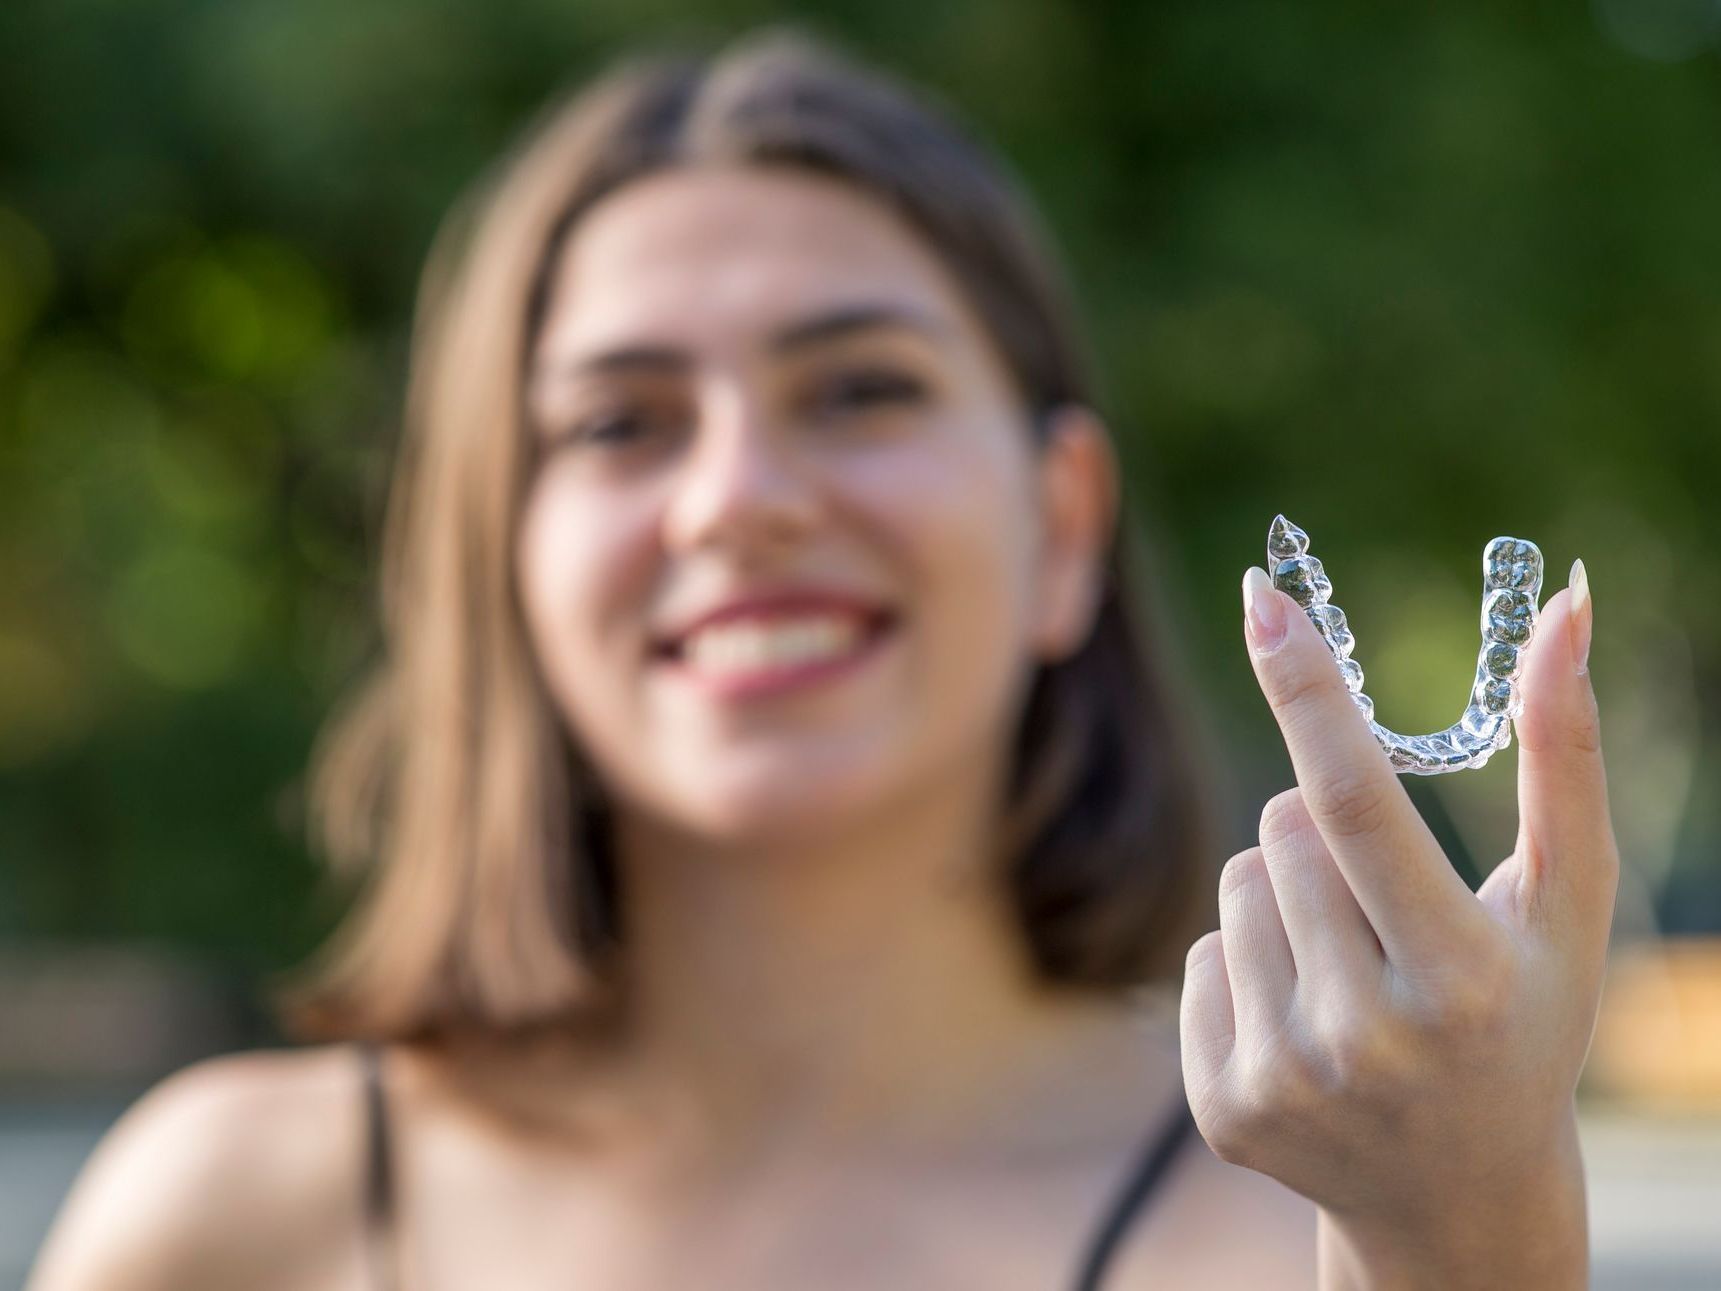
x: 1331, y: 939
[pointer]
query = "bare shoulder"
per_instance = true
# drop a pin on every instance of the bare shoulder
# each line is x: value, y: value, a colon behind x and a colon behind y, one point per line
x: 240, y: 1170
x: 1221, y: 1226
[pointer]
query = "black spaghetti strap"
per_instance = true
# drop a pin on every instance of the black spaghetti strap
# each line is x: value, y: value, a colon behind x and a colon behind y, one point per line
x: 379, y: 1192
x: 1168, y: 1136
x: 380, y: 1198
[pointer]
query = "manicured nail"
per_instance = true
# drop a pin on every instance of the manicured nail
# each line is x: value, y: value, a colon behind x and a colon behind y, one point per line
x: 1263, y: 611
x: 1583, y: 615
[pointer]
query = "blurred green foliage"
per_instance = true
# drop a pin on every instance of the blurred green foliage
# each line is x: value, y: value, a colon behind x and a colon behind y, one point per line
x: 1415, y: 275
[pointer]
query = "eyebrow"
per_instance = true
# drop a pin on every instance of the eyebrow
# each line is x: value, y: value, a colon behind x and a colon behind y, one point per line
x: 845, y: 320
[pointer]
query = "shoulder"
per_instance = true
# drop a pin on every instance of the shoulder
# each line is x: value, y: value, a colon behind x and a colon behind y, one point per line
x: 241, y: 1170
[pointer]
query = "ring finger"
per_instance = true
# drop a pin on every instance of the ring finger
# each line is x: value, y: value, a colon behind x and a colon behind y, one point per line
x: 1257, y: 954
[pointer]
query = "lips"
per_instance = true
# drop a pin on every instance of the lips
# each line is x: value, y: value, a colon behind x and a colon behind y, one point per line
x: 765, y: 679
x: 776, y: 605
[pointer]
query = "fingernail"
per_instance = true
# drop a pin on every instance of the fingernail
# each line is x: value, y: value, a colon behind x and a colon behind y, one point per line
x: 1263, y: 611
x: 1583, y: 615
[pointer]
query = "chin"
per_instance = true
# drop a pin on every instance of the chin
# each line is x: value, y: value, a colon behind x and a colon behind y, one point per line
x: 784, y: 805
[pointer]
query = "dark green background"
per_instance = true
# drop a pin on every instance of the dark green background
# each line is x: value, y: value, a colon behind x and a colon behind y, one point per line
x: 1414, y: 275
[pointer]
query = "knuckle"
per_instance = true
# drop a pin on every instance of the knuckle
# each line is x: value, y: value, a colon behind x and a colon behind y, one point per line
x: 1214, y: 1110
x: 1241, y: 870
x: 1472, y: 1005
x: 1237, y: 1124
x: 1365, y: 1058
x: 1280, y: 1092
x: 1294, y: 1089
x: 1230, y: 1143
x: 1284, y: 815
x: 1302, y: 681
x: 1583, y: 729
x: 1206, y: 947
x: 1474, y: 1015
x: 1349, y: 802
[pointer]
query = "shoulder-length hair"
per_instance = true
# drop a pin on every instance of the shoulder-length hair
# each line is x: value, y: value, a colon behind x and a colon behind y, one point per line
x: 491, y: 898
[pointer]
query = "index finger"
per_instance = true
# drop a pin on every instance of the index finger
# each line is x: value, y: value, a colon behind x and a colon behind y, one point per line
x: 1393, y: 863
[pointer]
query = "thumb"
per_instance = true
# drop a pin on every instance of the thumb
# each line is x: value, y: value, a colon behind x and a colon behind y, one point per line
x: 1566, y: 856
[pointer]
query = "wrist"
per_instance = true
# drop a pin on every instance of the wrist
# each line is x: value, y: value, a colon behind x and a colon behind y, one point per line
x: 1528, y: 1229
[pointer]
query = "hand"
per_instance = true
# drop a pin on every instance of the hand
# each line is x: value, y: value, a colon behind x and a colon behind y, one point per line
x: 1366, y: 1030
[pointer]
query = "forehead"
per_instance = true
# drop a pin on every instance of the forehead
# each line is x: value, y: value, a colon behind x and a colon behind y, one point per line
x: 711, y: 254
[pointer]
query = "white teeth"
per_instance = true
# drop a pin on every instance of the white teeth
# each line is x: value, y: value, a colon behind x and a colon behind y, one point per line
x: 747, y: 647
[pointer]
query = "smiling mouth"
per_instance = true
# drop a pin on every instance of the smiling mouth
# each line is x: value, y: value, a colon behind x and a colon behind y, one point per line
x: 766, y: 657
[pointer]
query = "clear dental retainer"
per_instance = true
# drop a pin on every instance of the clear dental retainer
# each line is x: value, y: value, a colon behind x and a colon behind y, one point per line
x: 1511, y: 583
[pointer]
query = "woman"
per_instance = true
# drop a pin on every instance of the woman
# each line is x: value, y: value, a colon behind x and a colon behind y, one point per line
x: 779, y: 807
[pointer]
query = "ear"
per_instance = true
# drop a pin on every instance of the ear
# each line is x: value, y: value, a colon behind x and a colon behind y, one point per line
x: 1078, y: 493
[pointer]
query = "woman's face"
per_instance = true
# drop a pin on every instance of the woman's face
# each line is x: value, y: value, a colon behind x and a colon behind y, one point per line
x: 759, y: 386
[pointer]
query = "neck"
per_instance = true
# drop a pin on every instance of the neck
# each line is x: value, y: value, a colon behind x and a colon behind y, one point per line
x: 865, y: 988
x: 862, y: 994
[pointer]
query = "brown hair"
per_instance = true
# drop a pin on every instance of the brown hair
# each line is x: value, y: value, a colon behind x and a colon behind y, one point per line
x: 493, y: 899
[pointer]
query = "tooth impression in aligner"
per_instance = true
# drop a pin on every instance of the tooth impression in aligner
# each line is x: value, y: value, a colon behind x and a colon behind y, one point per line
x: 1511, y: 582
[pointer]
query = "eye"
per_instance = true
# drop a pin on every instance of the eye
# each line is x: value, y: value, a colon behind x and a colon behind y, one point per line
x: 615, y: 426
x: 862, y: 388
x: 607, y: 427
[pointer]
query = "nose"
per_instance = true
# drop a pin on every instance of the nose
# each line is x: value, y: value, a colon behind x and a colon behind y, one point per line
x: 741, y: 486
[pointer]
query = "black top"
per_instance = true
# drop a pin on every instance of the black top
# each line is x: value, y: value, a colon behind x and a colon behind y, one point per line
x: 1158, y: 1151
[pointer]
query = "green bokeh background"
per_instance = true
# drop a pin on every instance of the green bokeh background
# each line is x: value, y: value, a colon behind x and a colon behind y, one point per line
x: 1414, y: 275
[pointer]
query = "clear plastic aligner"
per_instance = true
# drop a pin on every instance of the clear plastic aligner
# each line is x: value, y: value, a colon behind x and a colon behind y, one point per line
x: 1511, y: 583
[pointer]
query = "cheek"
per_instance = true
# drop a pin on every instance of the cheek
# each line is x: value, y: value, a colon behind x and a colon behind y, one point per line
x: 548, y: 586
x: 959, y: 512
x: 571, y: 554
